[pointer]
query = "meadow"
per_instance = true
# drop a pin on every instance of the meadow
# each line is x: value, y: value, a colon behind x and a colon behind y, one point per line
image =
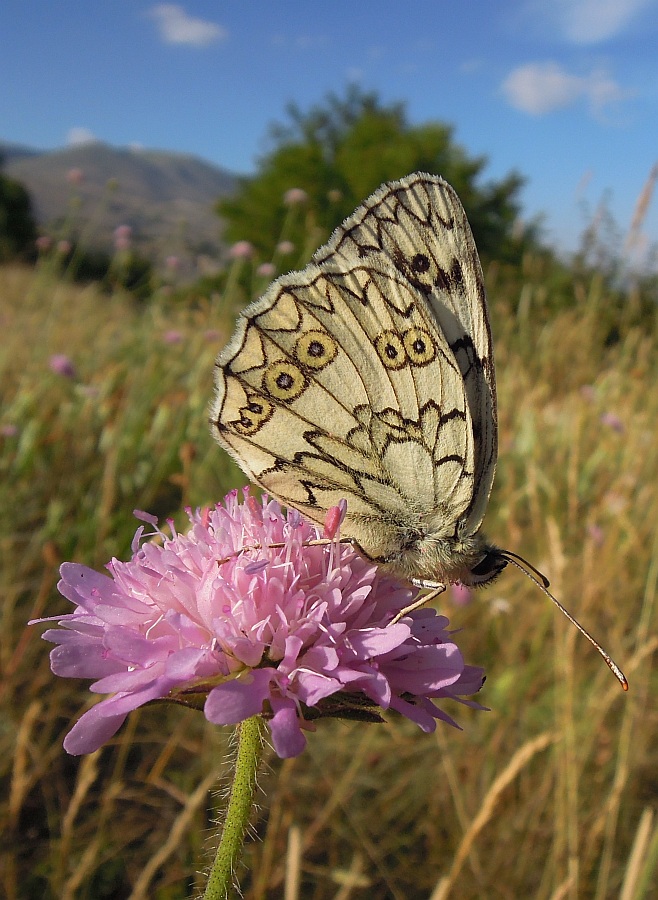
x: 552, y: 793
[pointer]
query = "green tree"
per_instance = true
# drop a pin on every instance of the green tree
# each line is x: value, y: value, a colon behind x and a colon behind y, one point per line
x: 18, y: 230
x: 338, y: 153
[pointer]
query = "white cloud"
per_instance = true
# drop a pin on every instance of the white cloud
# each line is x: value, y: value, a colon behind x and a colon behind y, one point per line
x: 177, y: 27
x: 79, y: 135
x: 540, y: 88
x: 591, y: 21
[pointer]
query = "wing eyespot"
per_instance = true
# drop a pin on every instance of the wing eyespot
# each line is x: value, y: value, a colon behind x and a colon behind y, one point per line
x: 420, y: 263
x: 419, y: 346
x: 253, y: 415
x: 284, y: 381
x: 315, y: 350
x: 390, y: 349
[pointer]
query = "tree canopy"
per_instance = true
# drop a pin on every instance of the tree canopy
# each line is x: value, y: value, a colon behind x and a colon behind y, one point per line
x: 339, y: 152
x: 18, y: 230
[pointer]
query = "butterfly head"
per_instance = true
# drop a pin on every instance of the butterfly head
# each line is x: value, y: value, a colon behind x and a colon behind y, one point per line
x: 431, y: 560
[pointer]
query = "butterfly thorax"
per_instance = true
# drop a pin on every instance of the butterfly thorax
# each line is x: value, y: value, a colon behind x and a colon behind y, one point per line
x: 471, y: 560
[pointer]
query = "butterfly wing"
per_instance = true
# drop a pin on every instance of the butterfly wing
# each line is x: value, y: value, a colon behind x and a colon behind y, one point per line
x: 419, y: 226
x: 352, y: 379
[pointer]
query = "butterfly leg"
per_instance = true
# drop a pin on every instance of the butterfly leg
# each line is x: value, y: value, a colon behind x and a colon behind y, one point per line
x: 421, y: 601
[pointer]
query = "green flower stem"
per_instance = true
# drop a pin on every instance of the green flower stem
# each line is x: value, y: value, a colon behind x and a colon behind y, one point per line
x: 220, y: 884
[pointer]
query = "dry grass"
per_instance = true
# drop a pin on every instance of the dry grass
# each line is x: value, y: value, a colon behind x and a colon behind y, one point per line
x: 551, y: 794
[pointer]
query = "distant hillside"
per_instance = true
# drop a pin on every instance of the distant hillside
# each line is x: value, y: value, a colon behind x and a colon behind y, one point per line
x: 15, y: 151
x: 166, y: 198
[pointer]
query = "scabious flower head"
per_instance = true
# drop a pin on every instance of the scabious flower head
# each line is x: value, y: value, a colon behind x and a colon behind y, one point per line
x: 295, y: 196
x: 292, y: 629
x: 460, y: 594
x: 63, y: 365
x: 75, y: 176
x: 613, y: 421
x: 241, y: 250
x: 266, y: 270
x: 122, y: 237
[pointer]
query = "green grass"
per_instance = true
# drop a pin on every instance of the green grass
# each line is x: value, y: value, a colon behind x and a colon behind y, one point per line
x: 550, y: 794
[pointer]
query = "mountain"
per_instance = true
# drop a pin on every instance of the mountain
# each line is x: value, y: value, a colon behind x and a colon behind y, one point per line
x: 89, y: 190
x: 9, y: 151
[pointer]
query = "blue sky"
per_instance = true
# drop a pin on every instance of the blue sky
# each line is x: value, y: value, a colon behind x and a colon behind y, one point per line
x: 564, y: 91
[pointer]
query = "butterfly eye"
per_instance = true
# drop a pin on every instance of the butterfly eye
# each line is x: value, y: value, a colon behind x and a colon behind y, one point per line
x: 419, y: 346
x: 284, y: 381
x: 390, y: 350
x: 315, y: 349
x: 491, y: 564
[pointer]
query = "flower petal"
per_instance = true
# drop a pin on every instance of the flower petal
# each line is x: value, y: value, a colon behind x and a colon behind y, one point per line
x: 239, y: 698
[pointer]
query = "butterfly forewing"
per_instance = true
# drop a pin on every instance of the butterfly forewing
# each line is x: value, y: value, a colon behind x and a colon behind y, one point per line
x: 418, y: 225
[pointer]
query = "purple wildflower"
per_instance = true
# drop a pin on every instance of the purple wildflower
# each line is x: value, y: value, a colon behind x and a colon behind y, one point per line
x: 63, y: 365
x: 460, y: 594
x: 266, y: 270
x: 295, y: 196
x: 122, y: 237
x: 241, y: 250
x: 613, y: 421
x: 246, y: 612
x: 75, y: 176
x: 596, y: 533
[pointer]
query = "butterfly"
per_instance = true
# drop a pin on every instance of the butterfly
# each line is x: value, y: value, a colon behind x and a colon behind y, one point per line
x: 369, y: 377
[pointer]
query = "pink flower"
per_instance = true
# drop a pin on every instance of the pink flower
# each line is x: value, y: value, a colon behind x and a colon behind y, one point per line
x: 9, y: 430
x: 75, y: 176
x: 266, y: 270
x: 613, y: 421
x: 172, y: 263
x: 64, y: 247
x: 460, y: 594
x: 44, y: 242
x: 295, y: 196
x: 244, y: 611
x: 596, y: 533
x: 285, y: 247
x: 61, y: 364
x: 172, y: 336
x: 122, y: 237
x: 241, y: 250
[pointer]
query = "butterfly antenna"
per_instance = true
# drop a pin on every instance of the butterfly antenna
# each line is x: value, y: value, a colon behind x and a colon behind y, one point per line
x: 542, y: 583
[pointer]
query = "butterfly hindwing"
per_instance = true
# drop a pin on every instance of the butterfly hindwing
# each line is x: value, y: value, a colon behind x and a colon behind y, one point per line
x: 340, y: 385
